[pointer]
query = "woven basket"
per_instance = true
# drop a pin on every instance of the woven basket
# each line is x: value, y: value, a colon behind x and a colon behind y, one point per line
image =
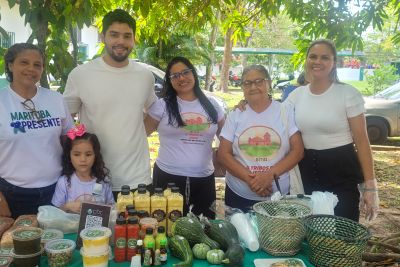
x: 280, y: 226
x: 335, y: 241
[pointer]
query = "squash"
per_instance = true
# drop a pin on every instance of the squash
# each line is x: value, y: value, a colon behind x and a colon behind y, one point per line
x: 226, y: 235
x: 215, y: 256
x: 180, y: 248
x: 200, y: 251
x: 191, y: 228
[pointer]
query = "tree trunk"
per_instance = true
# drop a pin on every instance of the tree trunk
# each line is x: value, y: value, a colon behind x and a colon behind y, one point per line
x: 210, y: 64
x: 226, y: 62
x: 74, y: 44
x: 41, y: 36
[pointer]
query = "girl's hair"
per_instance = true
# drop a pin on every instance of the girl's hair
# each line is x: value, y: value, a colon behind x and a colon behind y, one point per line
x: 12, y: 54
x: 169, y: 95
x: 333, y: 74
x: 260, y: 68
x: 99, y: 169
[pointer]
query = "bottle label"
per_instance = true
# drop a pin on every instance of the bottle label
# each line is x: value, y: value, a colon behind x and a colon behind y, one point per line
x: 163, y: 254
x: 132, y: 243
x: 159, y: 215
x: 175, y: 215
x: 120, y: 242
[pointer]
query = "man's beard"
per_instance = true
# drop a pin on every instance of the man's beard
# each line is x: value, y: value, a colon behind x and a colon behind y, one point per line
x: 116, y: 57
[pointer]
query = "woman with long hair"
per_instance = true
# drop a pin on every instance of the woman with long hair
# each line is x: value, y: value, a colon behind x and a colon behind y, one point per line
x: 330, y: 117
x: 187, y: 121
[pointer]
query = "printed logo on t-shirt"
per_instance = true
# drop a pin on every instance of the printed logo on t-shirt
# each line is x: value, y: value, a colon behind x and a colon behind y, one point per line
x: 196, y: 125
x: 23, y: 120
x: 195, y: 122
x: 259, y: 143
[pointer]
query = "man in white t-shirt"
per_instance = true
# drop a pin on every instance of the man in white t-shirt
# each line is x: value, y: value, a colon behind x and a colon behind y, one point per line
x: 110, y: 94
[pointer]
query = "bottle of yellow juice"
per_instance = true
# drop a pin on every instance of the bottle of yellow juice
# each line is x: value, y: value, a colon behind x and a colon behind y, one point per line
x: 167, y: 191
x: 174, y: 208
x: 159, y: 206
x: 142, y: 200
x: 124, y: 199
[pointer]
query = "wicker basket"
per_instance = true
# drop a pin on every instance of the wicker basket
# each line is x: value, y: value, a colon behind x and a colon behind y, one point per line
x: 280, y: 226
x: 335, y: 241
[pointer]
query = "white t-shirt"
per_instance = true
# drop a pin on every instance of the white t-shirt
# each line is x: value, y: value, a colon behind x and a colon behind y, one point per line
x: 323, y: 119
x: 259, y: 141
x: 79, y: 190
x: 187, y: 150
x: 30, y: 150
x: 110, y: 102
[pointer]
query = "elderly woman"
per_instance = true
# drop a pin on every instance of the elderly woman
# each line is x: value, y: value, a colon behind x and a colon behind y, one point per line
x: 32, y: 120
x: 330, y: 117
x: 187, y: 121
x: 259, y: 144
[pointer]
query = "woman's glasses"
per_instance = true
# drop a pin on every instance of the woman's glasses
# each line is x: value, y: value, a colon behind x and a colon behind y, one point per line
x: 248, y: 84
x: 184, y: 73
x: 30, y: 106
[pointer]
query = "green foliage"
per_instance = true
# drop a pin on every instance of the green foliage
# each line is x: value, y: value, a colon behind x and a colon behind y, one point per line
x: 382, y: 77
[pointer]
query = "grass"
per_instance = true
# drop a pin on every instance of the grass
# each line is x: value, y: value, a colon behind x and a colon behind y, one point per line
x: 362, y: 86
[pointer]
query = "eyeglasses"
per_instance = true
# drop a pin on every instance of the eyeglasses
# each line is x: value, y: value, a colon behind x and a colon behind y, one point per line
x: 247, y: 84
x: 185, y: 73
x: 30, y: 106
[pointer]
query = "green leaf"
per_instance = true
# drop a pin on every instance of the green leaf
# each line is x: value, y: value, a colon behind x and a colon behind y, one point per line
x: 23, y: 7
x: 11, y: 3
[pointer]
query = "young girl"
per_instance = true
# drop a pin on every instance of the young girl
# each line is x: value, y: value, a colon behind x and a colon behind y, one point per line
x: 84, y: 176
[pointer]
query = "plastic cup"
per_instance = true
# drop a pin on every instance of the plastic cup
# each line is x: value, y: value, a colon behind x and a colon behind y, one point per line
x: 27, y: 240
x: 95, y: 259
x: 59, y: 252
x: 5, y: 261
x: 95, y: 239
x: 27, y: 260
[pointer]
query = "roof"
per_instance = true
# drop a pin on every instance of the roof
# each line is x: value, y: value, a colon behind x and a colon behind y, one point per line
x: 276, y: 51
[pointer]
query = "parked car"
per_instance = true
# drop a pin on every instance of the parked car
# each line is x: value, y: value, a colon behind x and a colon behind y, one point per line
x: 383, y: 114
x: 159, y: 85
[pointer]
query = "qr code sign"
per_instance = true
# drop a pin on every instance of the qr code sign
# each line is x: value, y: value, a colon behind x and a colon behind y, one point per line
x: 92, y: 221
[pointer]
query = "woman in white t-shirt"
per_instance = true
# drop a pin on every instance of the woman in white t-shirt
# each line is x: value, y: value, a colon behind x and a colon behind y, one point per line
x: 187, y: 121
x: 330, y: 117
x: 258, y: 144
x: 32, y: 120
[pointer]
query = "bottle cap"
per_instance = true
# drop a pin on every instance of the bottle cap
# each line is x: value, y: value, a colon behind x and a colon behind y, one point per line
x: 121, y: 221
x: 125, y: 191
x: 158, y: 190
x: 139, y: 242
x: 125, y: 187
x: 149, y: 231
x: 161, y: 229
x: 141, y: 190
x: 132, y: 212
x: 133, y: 220
x: 170, y: 185
x: 142, y: 213
x: 175, y: 189
x: 142, y: 186
x: 130, y: 206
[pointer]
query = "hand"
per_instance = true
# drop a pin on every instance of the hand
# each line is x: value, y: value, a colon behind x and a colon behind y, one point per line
x: 73, y: 206
x: 241, y: 105
x: 4, y: 209
x: 261, y: 184
x: 369, y: 199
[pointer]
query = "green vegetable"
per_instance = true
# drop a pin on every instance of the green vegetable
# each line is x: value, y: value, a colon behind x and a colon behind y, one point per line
x: 215, y: 256
x: 191, y: 228
x: 200, y: 251
x: 180, y: 248
x: 226, y: 235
